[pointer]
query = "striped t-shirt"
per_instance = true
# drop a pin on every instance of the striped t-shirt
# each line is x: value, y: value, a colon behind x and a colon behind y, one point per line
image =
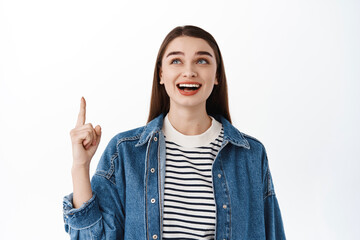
x: 189, y: 204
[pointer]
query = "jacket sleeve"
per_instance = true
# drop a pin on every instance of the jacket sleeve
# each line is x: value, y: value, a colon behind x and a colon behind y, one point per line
x: 101, y: 217
x: 274, y: 228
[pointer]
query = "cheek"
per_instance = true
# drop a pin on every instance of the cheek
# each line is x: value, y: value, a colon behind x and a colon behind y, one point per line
x: 211, y: 76
x: 169, y: 75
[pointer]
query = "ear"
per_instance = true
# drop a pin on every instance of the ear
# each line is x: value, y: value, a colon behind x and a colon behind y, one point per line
x: 216, y: 81
x: 160, y: 76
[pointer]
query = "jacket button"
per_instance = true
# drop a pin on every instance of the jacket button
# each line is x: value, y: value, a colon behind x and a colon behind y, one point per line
x: 219, y: 175
x: 224, y: 206
x: 152, y: 170
x: 155, y: 139
x: 154, y: 236
x: 153, y: 200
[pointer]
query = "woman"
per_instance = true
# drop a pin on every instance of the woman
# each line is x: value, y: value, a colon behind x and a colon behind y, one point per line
x: 187, y: 174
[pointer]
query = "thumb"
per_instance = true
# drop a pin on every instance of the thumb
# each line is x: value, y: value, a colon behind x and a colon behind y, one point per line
x: 98, y: 134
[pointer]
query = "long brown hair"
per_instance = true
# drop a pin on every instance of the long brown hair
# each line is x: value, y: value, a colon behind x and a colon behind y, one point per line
x: 217, y: 103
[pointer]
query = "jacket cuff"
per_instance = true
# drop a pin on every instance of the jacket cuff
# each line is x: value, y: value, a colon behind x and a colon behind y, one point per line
x: 79, y: 218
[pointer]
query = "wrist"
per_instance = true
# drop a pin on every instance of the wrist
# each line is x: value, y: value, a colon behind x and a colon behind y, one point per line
x: 80, y: 168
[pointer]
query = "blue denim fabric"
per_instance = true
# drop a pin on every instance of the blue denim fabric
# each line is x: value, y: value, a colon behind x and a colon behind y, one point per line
x: 128, y: 189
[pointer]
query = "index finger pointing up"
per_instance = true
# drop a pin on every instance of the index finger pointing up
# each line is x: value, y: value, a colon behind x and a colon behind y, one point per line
x: 82, y: 113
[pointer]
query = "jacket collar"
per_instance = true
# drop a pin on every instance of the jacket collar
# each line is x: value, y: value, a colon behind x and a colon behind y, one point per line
x: 231, y: 134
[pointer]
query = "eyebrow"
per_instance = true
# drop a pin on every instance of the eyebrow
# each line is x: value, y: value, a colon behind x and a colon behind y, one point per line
x: 197, y: 53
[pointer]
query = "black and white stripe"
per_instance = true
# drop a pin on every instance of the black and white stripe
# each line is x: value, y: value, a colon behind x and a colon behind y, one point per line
x: 189, y: 204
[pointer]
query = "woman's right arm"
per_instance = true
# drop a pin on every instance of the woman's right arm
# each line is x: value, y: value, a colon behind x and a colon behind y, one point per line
x: 82, y: 215
x: 85, y: 139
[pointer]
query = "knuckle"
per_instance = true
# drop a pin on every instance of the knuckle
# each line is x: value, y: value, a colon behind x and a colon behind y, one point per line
x: 88, y: 134
x: 72, y: 132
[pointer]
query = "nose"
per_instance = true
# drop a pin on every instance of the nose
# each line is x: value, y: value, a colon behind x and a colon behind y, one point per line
x: 189, y: 72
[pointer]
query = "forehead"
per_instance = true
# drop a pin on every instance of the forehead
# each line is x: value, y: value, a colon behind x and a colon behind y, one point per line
x: 188, y: 45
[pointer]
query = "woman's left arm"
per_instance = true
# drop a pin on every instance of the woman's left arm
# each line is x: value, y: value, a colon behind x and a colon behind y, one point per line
x: 274, y: 228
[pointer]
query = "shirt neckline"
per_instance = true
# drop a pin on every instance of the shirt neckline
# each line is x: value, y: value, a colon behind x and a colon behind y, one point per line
x: 191, y: 141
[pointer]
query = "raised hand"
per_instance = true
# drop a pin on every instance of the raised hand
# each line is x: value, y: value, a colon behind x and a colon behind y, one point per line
x: 85, y: 139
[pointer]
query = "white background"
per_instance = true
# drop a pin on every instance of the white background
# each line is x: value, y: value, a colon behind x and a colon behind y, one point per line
x: 294, y: 83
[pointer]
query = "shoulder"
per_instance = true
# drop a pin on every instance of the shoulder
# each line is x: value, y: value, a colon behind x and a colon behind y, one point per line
x: 132, y: 135
x: 122, y: 143
x: 255, y: 145
x: 252, y: 140
x: 239, y: 138
x: 138, y: 135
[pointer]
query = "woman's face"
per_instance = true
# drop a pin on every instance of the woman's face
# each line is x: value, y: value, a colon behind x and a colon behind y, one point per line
x: 188, y: 72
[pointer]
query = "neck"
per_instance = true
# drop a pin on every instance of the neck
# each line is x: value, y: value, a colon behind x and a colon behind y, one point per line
x: 189, y: 121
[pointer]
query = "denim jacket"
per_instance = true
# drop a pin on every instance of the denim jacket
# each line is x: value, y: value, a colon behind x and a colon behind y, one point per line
x: 128, y: 189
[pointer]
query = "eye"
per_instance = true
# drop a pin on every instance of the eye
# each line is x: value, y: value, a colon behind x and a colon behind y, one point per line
x: 175, y: 61
x: 203, y: 61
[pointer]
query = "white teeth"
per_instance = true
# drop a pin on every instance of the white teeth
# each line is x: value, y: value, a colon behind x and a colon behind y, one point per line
x: 189, y: 85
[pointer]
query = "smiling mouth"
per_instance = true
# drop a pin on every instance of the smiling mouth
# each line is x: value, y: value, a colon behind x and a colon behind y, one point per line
x: 188, y: 86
